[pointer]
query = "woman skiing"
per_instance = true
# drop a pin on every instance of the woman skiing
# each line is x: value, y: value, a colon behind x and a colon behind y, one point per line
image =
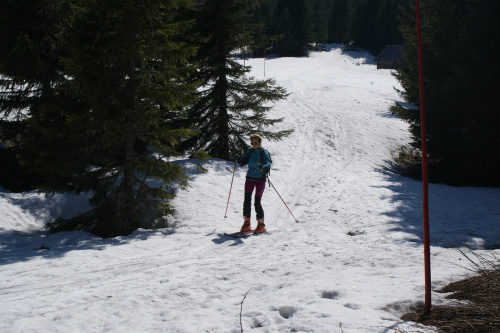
x: 259, y: 164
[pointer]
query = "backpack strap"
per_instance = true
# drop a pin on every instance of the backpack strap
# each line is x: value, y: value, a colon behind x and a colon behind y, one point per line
x: 262, y: 156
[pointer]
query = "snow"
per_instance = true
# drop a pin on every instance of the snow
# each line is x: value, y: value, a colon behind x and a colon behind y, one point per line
x: 353, y: 262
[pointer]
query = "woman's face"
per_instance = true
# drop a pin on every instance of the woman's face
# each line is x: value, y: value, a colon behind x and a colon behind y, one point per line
x: 255, y: 143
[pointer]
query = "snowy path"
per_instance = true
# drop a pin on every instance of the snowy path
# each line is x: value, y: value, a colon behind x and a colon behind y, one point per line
x: 353, y: 263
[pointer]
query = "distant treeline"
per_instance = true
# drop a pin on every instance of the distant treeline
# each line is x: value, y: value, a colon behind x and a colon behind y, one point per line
x: 370, y: 24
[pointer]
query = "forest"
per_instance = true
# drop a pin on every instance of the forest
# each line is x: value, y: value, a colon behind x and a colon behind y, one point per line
x: 301, y: 25
x: 461, y: 65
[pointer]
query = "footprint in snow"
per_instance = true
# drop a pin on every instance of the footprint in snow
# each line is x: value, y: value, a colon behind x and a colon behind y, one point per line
x: 287, y: 311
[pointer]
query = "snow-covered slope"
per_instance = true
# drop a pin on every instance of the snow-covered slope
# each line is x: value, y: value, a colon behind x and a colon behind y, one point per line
x: 353, y: 263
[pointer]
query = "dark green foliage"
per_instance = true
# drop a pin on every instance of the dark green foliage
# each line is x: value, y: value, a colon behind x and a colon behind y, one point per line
x: 320, y: 23
x: 294, y: 22
x: 29, y: 59
x: 303, y: 25
x: 461, y: 52
x: 338, y: 22
x: 387, y: 23
x: 106, y: 125
x: 29, y: 51
x: 230, y: 106
x: 286, y: 44
x: 129, y: 69
x: 371, y: 24
x: 30, y: 71
x: 13, y: 176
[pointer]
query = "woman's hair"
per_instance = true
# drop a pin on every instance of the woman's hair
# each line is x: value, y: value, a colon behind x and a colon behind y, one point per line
x: 256, y: 136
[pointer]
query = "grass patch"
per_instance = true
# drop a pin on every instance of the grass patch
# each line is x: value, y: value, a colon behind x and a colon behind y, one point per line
x: 475, y: 305
x: 355, y: 233
x: 409, y: 161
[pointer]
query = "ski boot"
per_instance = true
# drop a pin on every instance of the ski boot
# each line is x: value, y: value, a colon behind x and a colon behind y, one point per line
x: 261, y: 227
x: 246, y: 224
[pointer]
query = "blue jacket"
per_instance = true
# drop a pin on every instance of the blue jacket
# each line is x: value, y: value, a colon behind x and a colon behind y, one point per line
x: 255, y: 165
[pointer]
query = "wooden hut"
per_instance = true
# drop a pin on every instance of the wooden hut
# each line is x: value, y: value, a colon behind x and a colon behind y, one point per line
x: 390, y: 57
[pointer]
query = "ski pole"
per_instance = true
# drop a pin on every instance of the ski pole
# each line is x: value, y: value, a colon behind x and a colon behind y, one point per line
x: 281, y: 198
x: 234, y: 169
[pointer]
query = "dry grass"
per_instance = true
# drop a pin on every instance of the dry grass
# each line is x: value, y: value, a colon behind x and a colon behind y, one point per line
x: 475, y: 306
x: 410, y: 162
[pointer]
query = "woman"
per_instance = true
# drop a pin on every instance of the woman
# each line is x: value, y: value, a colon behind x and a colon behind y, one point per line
x: 259, y: 164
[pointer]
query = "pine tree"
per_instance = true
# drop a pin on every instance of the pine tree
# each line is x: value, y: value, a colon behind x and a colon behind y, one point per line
x: 387, y: 25
x: 286, y: 45
x: 338, y: 22
x: 321, y: 8
x: 30, y: 70
x: 108, y: 126
x: 354, y: 21
x: 302, y: 16
x: 461, y: 66
x: 230, y: 106
x: 296, y: 25
x: 131, y: 70
x: 369, y: 27
x: 29, y: 51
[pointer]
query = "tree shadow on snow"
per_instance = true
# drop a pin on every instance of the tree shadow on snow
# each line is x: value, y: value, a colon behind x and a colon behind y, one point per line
x: 20, y: 246
x: 192, y: 167
x: 458, y: 216
x: 24, y: 246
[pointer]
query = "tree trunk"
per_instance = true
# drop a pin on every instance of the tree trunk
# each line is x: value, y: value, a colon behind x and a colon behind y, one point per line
x: 127, y: 209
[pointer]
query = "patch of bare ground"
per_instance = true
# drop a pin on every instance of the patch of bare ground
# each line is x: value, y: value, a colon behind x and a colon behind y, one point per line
x: 475, y: 306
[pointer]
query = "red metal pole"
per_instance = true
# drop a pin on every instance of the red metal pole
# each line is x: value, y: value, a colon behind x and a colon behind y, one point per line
x: 425, y: 183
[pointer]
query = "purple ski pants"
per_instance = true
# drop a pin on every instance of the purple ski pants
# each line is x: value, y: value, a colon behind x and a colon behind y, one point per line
x: 259, y: 187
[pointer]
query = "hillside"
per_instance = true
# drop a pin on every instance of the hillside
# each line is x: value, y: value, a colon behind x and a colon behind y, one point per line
x: 353, y: 262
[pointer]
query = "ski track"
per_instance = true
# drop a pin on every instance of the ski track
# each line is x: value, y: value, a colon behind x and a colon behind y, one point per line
x: 335, y: 270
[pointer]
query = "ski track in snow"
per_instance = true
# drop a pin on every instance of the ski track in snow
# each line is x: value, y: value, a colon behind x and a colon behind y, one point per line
x: 353, y: 263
